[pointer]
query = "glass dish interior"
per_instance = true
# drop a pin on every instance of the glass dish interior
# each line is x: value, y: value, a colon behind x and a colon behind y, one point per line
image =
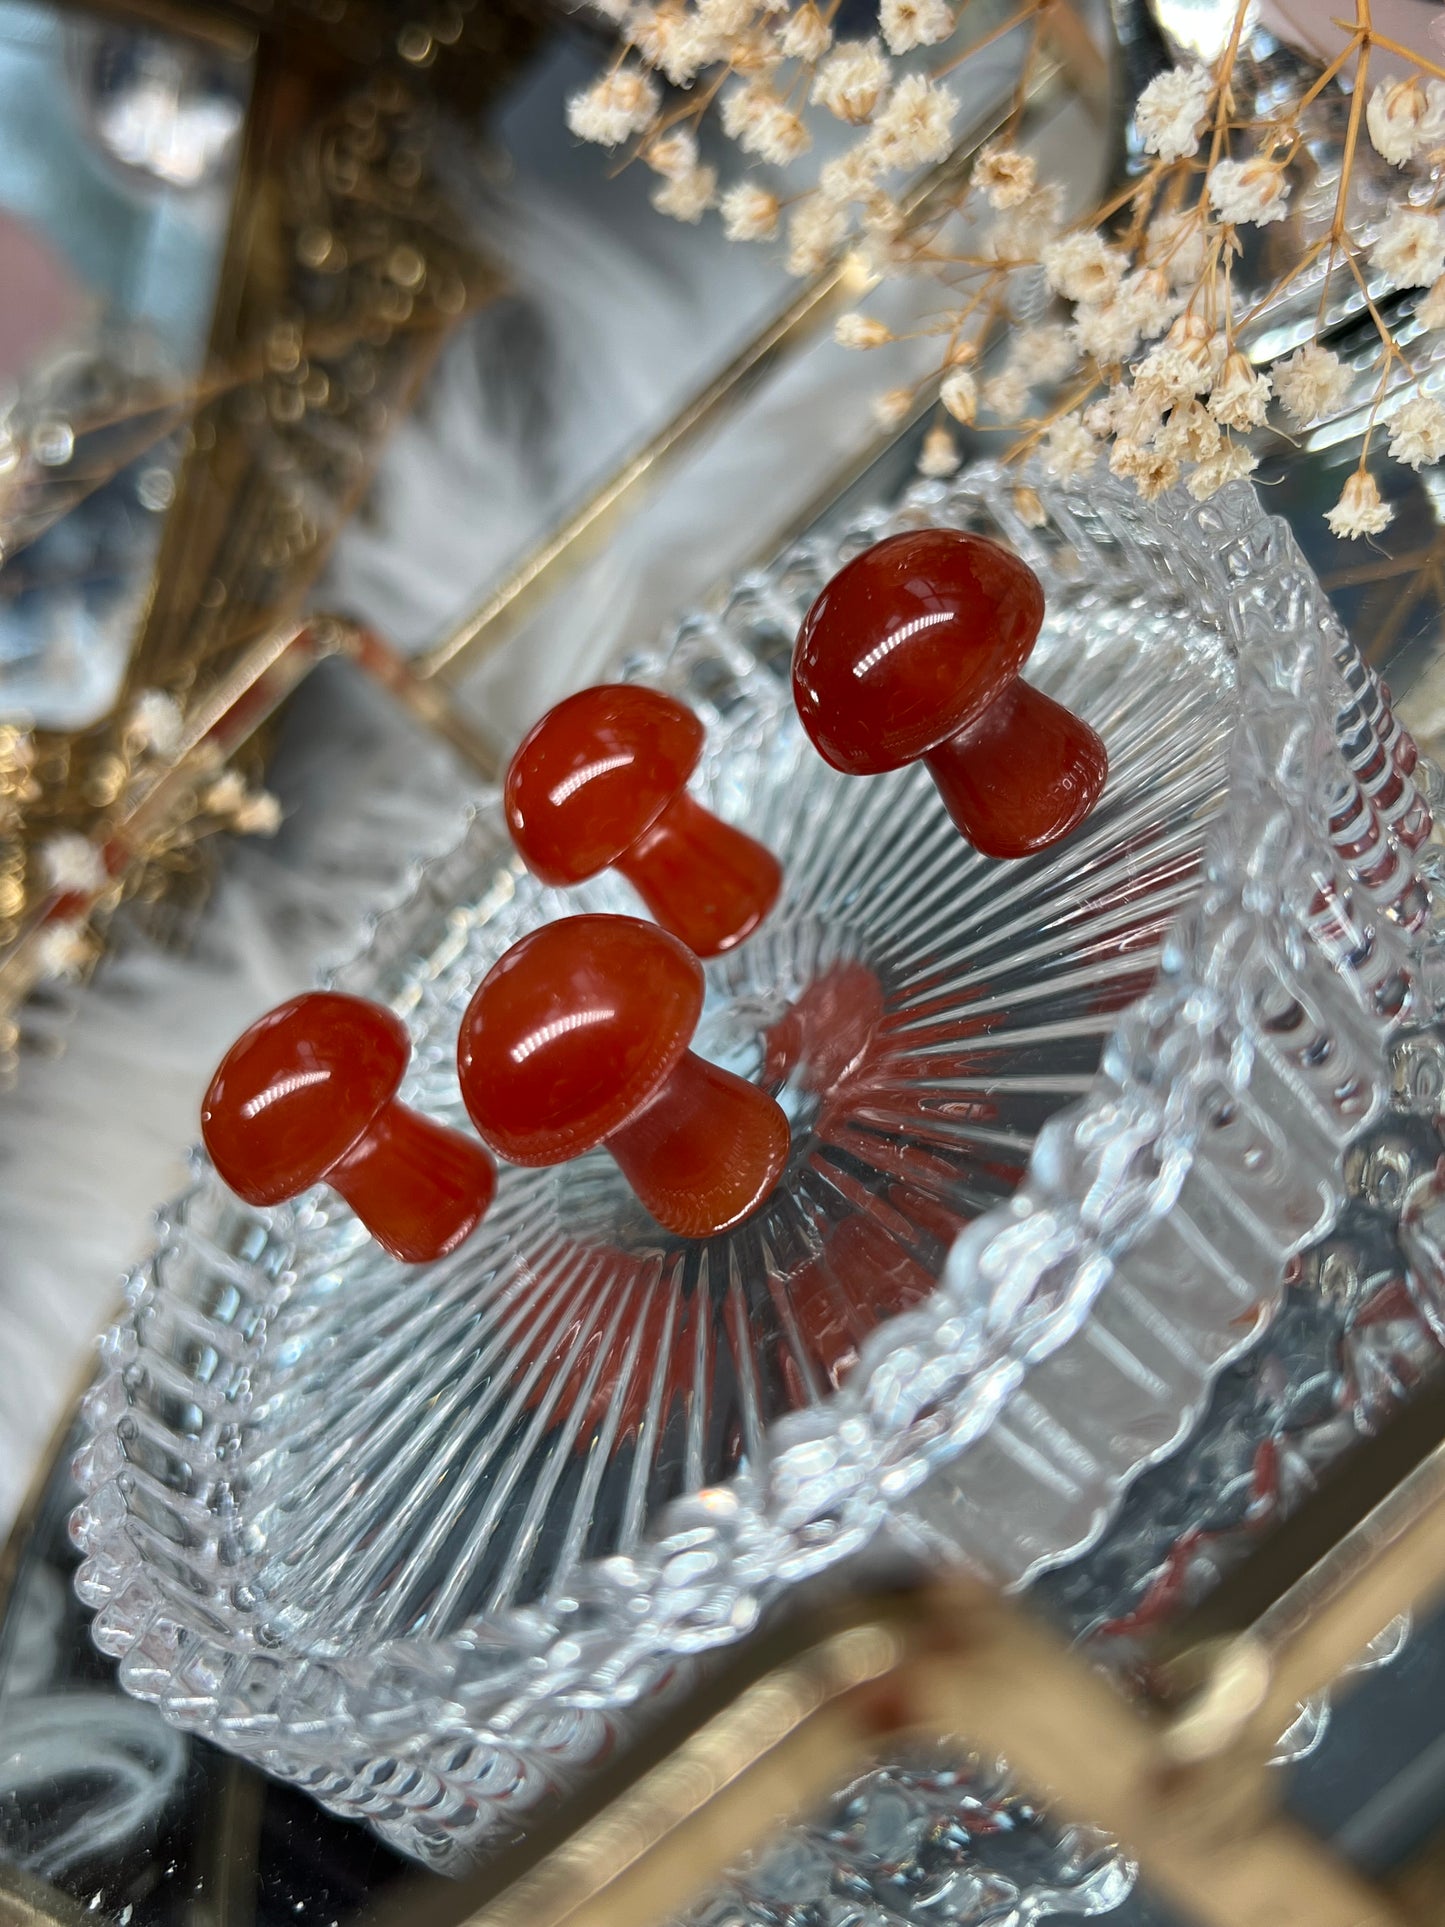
x: 411, y: 1535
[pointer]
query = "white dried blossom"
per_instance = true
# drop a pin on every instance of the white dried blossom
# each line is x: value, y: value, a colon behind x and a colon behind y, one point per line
x: 1171, y: 111
x: 852, y: 80
x: 226, y: 794
x: 861, y: 331
x: 908, y: 24
x: 1107, y: 331
x: 1185, y: 363
x: 613, y: 108
x: 1006, y: 394
x: 1409, y: 250
x: 687, y: 197
x: 806, y: 36
x: 1149, y: 301
x: 886, y: 224
x: 673, y: 41
x: 70, y: 862
x: 817, y: 228
x: 1098, y: 417
x: 959, y: 395
x: 850, y: 176
x: 1044, y: 353
x: 63, y: 950
x: 1240, y: 397
x: 259, y: 814
x: 750, y: 213
x: 1430, y: 309
x: 914, y: 129
x: 1004, y: 177
x: 1070, y: 452
x: 890, y: 407
x: 1231, y: 463
x: 1191, y: 433
x: 155, y: 723
x: 763, y: 124
x: 1359, y: 510
x: 1135, y: 414
x: 672, y: 155
x: 939, y: 455
x: 1022, y: 233
x: 1312, y: 383
x: 1151, y: 473
x: 1399, y: 119
x: 1082, y: 267
x: 1178, y: 245
x: 726, y: 19
x: 1417, y: 432
x: 1249, y: 192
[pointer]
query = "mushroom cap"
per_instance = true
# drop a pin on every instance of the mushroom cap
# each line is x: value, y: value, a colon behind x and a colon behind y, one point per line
x: 572, y: 1031
x: 294, y: 1092
x: 597, y: 771
x: 909, y: 643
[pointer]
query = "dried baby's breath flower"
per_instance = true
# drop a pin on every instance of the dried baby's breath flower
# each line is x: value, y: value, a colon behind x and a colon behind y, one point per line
x: 1070, y: 452
x: 70, y: 862
x: 1417, y: 432
x: 1171, y: 110
x: 1312, y: 383
x: 939, y: 455
x: 1107, y: 331
x: 1184, y: 364
x: 258, y: 815
x: 1359, y: 510
x: 1409, y: 250
x: 1191, y: 433
x: 1240, y: 397
x: 673, y: 41
x: 618, y: 105
x: 908, y: 24
x: 817, y: 228
x: 1231, y: 463
x: 861, y: 331
x: 850, y: 176
x: 806, y: 36
x: 1249, y: 192
x: 1003, y: 177
x: 913, y: 130
x: 750, y: 213
x: 891, y: 407
x: 1178, y: 244
x: 1151, y: 473
x: 1028, y: 508
x: 1006, y: 394
x: 1043, y: 353
x: 1147, y: 299
x: 763, y: 124
x: 226, y: 794
x: 687, y: 197
x: 1082, y: 267
x: 725, y: 18
x: 959, y: 395
x: 1134, y: 413
x: 852, y: 80
x: 1098, y: 417
x: 672, y: 155
x: 155, y: 724
x: 1430, y: 309
x: 64, y: 950
x: 1398, y: 118
x: 1022, y: 233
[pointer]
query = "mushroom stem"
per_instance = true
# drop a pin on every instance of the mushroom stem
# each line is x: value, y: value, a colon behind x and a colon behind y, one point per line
x: 708, y: 883
x: 1022, y: 776
x: 705, y: 1151
x: 419, y: 1187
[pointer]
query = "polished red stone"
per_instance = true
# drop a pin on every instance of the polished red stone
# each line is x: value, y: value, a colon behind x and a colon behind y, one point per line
x: 579, y: 1036
x: 601, y: 783
x: 912, y: 652
x: 308, y: 1095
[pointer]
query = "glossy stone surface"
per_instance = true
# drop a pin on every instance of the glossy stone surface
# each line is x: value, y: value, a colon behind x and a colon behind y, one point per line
x: 578, y: 1036
x: 307, y: 1094
x: 912, y: 651
x: 601, y: 782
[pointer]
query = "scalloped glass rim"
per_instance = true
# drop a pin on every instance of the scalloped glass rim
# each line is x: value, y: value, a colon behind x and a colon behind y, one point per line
x: 1077, y: 1327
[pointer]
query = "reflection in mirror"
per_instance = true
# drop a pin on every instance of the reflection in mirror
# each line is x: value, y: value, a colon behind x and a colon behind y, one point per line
x: 118, y: 155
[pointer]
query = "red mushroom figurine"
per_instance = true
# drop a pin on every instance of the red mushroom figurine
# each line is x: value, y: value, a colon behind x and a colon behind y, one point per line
x: 913, y: 651
x: 601, y: 783
x: 308, y: 1094
x: 579, y: 1036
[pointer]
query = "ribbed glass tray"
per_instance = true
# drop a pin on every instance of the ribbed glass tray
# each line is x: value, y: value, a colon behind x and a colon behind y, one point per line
x: 417, y: 1539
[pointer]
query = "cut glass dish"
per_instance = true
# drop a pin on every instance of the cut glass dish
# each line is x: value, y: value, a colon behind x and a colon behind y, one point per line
x: 418, y: 1538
